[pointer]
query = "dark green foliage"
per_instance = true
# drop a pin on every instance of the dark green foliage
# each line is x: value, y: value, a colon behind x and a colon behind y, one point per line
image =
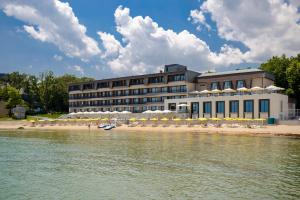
x: 46, y: 92
x: 287, y: 74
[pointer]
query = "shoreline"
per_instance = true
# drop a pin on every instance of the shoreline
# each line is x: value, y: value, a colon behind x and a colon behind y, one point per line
x: 276, y: 130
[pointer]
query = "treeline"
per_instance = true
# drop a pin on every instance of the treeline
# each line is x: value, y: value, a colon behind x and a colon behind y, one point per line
x: 287, y: 74
x: 45, y: 93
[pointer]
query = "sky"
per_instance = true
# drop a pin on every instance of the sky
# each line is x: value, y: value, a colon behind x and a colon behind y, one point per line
x: 110, y: 38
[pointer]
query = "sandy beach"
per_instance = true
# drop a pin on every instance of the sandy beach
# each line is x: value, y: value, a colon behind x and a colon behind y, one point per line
x: 276, y: 130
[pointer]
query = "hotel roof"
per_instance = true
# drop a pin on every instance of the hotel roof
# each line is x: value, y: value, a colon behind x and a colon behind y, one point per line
x: 239, y: 71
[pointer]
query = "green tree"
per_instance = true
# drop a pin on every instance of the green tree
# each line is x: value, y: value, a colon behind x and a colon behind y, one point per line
x: 287, y: 74
x: 45, y: 91
x: 14, y: 98
x: 293, y: 78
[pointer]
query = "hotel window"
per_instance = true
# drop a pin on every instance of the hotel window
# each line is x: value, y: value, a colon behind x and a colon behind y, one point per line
x: 103, y: 85
x: 178, y: 77
x: 119, y: 93
x: 156, y: 90
x: 214, y: 85
x: 172, y: 106
x: 74, y: 87
x: 135, y: 109
x: 136, y: 100
x: 164, y: 89
x: 88, y: 86
x: 248, y: 106
x: 136, y: 81
x: 153, y: 108
x: 144, y: 108
x: 264, y: 105
x: 220, y: 107
x: 136, y: 92
x: 145, y: 90
x: 195, y: 107
x: 240, y: 84
x: 173, y: 89
x: 227, y: 84
x: 145, y: 100
x: 234, y: 106
x: 158, y: 79
x: 206, y: 107
x: 182, y: 88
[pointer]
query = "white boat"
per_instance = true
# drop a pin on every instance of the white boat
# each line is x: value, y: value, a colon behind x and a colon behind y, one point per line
x: 103, y: 125
x: 109, y: 127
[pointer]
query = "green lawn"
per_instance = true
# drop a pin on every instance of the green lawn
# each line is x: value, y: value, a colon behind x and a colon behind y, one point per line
x: 33, y: 117
x: 5, y: 118
x: 52, y: 116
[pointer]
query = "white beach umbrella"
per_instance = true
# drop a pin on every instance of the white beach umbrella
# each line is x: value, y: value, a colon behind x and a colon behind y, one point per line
x: 125, y: 112
x: 72, y: 113
x: 228, y: 90
x: 182, y: 105
x: 148, y: 112
x: 243, y: 89
x: 99, y: 112
x: 79, y: 113
x: 216, y: 91
x: 256, y: 88
x: 205, y: 92
x: 274, y: 88
x: 157, y: 111
x: 194, y: 92
x: 107, y: 112
x: 166, y: 111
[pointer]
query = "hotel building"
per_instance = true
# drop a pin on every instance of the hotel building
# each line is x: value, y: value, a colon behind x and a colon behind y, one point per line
x: 172, y: 89
x: 133, y: 93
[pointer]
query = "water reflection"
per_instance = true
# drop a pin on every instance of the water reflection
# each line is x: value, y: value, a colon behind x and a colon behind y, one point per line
x: 119, y: 165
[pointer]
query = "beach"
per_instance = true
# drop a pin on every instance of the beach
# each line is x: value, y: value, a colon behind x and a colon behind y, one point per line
x: 272, y: 130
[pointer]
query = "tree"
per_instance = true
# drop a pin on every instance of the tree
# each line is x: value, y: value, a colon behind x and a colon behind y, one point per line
x: 14, y: 98
x: 287, y: 74
x: 293, y: 78
x: 45, y: 91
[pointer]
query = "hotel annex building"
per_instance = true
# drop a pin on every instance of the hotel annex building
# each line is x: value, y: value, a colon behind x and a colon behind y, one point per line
x: 172, y: 87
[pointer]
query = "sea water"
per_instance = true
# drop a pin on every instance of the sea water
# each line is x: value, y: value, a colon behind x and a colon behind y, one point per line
x: 143, y: 165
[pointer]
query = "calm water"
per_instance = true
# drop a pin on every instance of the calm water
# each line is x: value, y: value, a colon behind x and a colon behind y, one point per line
x: 118, y: 165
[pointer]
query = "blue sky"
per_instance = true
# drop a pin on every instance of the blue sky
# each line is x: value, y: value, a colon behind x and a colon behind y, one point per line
x: 204, y: 35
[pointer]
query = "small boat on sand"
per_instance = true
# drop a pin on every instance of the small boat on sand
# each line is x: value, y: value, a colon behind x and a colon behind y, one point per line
x: 109, y: 127
x: 103, y: 125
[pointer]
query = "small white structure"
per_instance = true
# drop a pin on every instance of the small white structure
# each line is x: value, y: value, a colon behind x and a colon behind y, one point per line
x: 19, y: 112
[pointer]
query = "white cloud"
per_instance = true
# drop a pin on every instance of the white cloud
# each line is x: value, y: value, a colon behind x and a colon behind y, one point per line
x: 148, y: 47
x: 57, y: 57
x: 197, y: 17
x: 266, y: 27
x: 53, y: 21
x: 77, y: 68
x: 111, y: 45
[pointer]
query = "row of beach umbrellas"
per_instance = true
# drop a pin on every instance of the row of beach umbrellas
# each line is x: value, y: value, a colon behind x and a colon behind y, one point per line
x: 194, y: 119
x: 242, y: 89
x: 122, y: 112
x: 99, y: 112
